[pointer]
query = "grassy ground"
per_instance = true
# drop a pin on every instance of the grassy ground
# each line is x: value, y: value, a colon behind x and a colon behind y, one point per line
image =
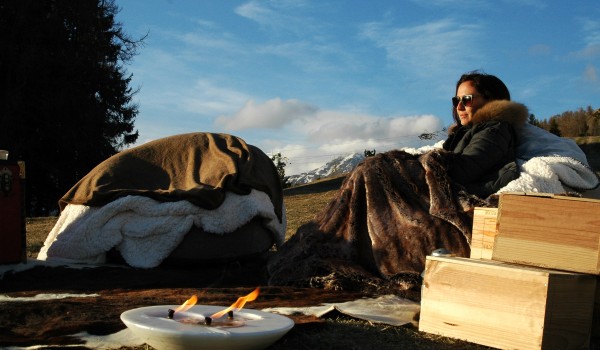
x: 37, y: 230
x: 303, y: 202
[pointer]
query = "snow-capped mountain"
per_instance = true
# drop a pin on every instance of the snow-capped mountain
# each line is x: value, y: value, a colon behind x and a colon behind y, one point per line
x: 337, y: 166
x: 342, y: 165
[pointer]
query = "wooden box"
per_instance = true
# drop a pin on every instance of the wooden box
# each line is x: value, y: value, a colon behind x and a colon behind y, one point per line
x: 549, y: 231
x: 506, y: 305
x: 484, y: 232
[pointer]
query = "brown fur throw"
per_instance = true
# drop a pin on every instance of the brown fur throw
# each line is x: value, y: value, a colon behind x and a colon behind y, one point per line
x: 197, y: 167
x: 391, y: 211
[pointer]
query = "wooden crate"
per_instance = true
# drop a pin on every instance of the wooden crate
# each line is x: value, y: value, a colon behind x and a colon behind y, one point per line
x: 549, y: 231
x: 506, y: 305
x: 484, y: 232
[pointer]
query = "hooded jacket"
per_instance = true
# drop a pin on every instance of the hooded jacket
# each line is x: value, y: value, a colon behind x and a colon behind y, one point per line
x: 484, y: 151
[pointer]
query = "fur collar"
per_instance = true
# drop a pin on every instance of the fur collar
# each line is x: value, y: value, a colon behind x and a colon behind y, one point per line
x: 503, y: 110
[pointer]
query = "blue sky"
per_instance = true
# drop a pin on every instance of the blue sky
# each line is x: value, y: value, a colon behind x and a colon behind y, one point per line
x: 315, y: 79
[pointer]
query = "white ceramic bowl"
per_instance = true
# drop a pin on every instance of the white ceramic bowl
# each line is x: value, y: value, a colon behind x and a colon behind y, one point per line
x: 251, y: 329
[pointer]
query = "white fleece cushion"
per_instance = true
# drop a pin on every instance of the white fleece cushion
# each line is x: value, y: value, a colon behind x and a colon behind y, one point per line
x: 146, y: 231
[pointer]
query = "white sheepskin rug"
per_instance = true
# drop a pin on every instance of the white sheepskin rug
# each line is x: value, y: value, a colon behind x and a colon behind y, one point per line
x: 146, y: 231
x: 551, y: 175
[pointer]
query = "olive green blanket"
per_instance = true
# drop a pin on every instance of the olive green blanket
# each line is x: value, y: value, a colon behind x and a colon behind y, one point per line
x: 197, y: 167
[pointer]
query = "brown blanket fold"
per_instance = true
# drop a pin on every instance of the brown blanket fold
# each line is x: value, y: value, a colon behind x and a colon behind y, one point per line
x: 391, y: 211
x: 197, y: 167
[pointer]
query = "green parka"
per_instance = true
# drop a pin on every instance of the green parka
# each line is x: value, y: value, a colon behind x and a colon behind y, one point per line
x: 484, y: 151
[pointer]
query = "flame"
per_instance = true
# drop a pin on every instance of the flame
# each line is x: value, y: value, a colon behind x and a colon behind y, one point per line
x: 240, y: 302
x: 188, y: 304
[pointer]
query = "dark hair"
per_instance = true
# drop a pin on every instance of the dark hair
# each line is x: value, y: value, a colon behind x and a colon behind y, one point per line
x: 489, y: 86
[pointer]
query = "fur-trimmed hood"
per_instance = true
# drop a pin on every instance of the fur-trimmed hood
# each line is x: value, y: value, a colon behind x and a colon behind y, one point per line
x: 503, y: 110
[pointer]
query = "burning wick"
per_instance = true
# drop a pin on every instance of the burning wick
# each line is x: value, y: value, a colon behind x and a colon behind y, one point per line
x: 208, y: 320
x: 183, y: 307
x: 238, y: 305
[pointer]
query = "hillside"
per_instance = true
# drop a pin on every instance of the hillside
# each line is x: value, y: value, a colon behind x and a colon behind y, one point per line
x: 304, y: 201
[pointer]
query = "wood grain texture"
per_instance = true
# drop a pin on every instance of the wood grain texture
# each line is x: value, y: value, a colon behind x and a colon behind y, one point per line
x: 506, y: 305
x: 554, y: 232
x: 484, y: 232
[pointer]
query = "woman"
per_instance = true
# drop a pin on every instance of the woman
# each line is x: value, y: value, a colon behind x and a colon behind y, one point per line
x: 483, y: 141
x: 395, y: 208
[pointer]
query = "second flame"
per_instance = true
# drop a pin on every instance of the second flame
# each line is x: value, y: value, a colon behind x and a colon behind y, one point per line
x: 188, y: 304
x: 239, y: 304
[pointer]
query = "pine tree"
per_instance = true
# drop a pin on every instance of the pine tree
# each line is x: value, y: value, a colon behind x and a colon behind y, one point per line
x: 280, y: 164
x: 65, y: 94
x: 554, y: 127
x: 533, y: 120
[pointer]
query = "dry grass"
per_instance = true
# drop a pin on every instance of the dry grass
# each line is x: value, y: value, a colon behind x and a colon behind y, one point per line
x: 586, y: 140
x: 303, y: 202
x: 37, y: 230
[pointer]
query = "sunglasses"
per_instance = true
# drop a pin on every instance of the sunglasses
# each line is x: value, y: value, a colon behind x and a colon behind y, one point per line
x: 466, y: 100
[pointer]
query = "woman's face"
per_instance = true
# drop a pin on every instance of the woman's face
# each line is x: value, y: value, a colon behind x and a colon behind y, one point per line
x: 465, y: 110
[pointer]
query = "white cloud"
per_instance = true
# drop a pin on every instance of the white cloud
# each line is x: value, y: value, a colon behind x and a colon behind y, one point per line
x: 592, y: 28
x: 206, y: 98
x: 426, y: 48
x: 478, y: 4
x: 257, y: 12
x: 591, y: 39
x: 537, y: 4
x: 311, y: 56
x: 330, y: 140
x: 591, y: 74
x: 344, y: 128
x: 279, y: 16
x: 324, y: 135
x: 205, y: 41
x: 273, y: 114
x: 317, y: 126
x: 309, y: 136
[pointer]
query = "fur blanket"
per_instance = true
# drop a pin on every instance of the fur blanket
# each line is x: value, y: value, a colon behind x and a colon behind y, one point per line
x: 144, y: 200
x: 392, y: 210
x: 396, y: 208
